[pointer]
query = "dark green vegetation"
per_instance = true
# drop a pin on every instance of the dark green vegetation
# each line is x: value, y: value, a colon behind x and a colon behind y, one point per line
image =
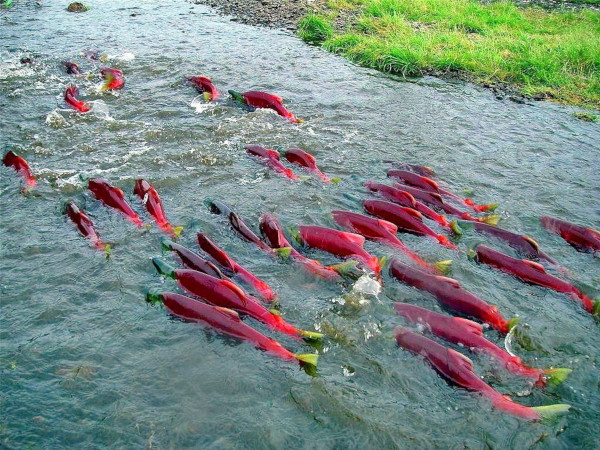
x: 545, y: 55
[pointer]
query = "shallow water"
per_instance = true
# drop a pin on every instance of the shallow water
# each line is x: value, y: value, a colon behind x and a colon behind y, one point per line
x: 84, y: 361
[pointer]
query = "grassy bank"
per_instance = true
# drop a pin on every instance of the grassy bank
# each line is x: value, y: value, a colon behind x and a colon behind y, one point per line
x: 552, y: 55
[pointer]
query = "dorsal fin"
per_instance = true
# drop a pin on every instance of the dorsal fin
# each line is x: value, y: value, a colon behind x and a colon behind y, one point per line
x: 533, y: 243
x: 472, y: 327
x: 277, y: 97
x: 451, y: 281
x: 236, y: 290
x: 229, y: 312
x: 534, y: 265
x: 413, y: 212
x: 354, y: 238
x: 388, y: 226
x: 461, y: 359
x: 272, y: 153
x: 409, y: 198
x: 430, y: 182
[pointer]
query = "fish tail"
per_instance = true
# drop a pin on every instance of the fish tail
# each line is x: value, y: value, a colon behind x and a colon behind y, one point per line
x: 154, y: 297
x: 488, y: 207
x: 491, y: 220
x: 445, y: 241
x: 309, y: 359
x: 345, y: 267
x: 556, y: 376
x: 163, y: 268
x: 310, y: 335
x: 283, y: 252
x: 443, y: 266
x: 551, y: 411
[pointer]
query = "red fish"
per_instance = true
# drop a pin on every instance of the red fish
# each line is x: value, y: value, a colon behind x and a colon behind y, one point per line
x: 273, y: 233
x: 406, y: 219
x: 405, y: 199
x: 271, y: 159
x: 450, y: 294
x: 427, y: 184
x: 582, y: 238
x: 227, y: 295
x: 114, y: 78
x: 194, y: 261
x: 339, y: 243
x: 469, y: 334
x: 71, y: 99
x: 225, y: 321
x: 205, y: 87
x: 72, y: 68
x: 426, y: 171
x: 458, y: 369
x: 523, y: 244
x: 85, y: 226
x: 146, y: 192
x: 300, y: 157
x: 113, y: 197
x: 257, y: 99
x: 225, y: 261
x: 380, y: 231
x: 534, y: 273
x: 18, y: 163
x: 435, y: 199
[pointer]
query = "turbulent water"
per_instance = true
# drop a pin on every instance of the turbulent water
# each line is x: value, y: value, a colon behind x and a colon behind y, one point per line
x: 85, y: 361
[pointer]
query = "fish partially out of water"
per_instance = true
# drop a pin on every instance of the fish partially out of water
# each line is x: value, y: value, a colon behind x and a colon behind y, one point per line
x: 306, y: 160
x: 225, y: 321
x: 149, y: 196
x: 71, y: 68
x: 271, y: 158
x: 258, y: 99
x: 427, y: 184
x: 113, y: 197
x: 18, y: 163
x: 339, y: 243
x: 230, y: 265
x: 85, y: 226
x: 534, y: 273
x: 71, y: 94
x: 114, y: 78
x: 450, y: 293
x: 469, y: 334
x: 226, y: 294
x: 205, y: 86
x: 458, y: 369
x: 582, y: 238
x: 406, y: 219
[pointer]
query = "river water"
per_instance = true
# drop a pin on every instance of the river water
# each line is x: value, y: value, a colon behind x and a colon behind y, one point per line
x: 85, y: 362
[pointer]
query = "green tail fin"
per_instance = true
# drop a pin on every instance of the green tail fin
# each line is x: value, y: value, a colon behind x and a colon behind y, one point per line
x: 596, y: 308
x: 303, y: 177
x: 491, y: 220
x: 107, y: 250
x: 207, y: 96
x: 467, y: 191
x: 471, y: 254
x: 556, y: 376
x: 310, y: 335
x: 443, y: 266
x: 492, y: 206
x: 163, y: 268
x: 336, y: 180
x: 345, y: 267
x: 382, y: 262
x: 177, y: 231
x: 295, y: 234
x: 283, y: 252
x: 551, y: 411
x: 454, y: 226
x: 310, y: 359
x: 154, y: 297
x: 237, y: 96
x: 513, y: 323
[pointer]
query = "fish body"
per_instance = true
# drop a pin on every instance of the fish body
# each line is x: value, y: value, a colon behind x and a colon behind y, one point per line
x: 450, y: 293
x: 339, y: 243
x: 406, y: 219
x: 71, y: 94
x: 458, y: 369
x: 271, y: 159
x: 404, y: 198
x: 149, y: 197
x: 18, y: 163
x: 258, y: 99
x: 304, y: 159
x: 231, y: 266
x: 582, y: 238
x: 114, y: 78
x: 84, y: 224
x: 71, y: 68
x: 531, y: 272
x: 113, y: 197
x: 204, y: 85
x: 469, y: 334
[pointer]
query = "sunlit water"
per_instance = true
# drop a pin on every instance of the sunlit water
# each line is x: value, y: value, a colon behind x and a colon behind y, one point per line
x: 84, y: 361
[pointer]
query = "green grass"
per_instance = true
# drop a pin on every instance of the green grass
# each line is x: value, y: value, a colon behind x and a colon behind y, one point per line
x: 554, y: 55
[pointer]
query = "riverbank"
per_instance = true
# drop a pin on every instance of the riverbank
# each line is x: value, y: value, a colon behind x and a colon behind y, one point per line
x: 541, y: 54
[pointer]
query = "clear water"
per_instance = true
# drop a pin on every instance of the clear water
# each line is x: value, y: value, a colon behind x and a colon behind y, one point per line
x: 85, y: 362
